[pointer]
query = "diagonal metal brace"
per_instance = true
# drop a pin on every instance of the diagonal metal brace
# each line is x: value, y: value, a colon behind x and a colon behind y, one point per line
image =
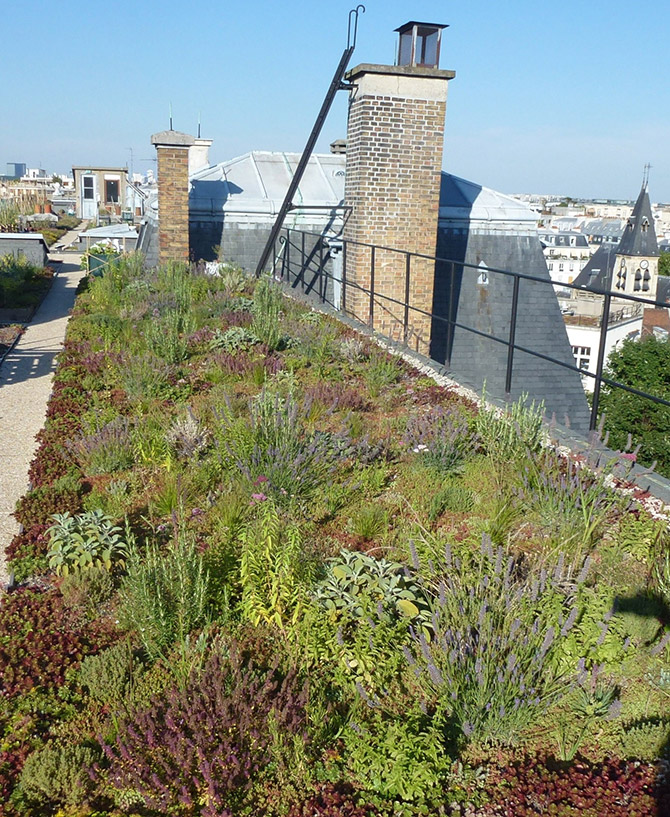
x: 335, y: 86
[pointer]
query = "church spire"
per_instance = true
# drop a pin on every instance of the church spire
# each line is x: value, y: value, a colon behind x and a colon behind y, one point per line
x: 639, y: 235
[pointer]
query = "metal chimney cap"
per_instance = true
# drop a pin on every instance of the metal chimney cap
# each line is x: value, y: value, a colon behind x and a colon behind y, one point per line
x: 413, y: 23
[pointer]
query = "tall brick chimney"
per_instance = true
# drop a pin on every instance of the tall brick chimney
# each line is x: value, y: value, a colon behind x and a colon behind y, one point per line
x: 395, y: 139
x: 172, y: 148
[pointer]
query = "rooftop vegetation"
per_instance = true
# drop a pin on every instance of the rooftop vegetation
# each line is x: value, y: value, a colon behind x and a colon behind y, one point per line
x: 267, y: 568
x: 22, y: 284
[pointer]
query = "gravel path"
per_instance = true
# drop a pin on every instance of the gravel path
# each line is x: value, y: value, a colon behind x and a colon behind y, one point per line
x: 25, y: 386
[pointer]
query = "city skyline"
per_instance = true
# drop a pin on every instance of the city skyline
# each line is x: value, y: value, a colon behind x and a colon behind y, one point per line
x: 562, y: 100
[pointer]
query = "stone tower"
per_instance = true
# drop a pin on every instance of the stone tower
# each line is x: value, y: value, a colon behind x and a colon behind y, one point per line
x: 172, y: 148
x: 636, y: 264
x: 395, y: 139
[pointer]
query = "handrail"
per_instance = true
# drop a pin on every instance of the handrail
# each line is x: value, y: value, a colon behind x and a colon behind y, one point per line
x: 321, y: 272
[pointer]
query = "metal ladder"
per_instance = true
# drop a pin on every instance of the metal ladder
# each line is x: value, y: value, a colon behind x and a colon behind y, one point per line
x: 336, y: 85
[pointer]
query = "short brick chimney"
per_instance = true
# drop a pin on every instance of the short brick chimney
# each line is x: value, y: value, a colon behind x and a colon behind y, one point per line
x: 395, y: 139
x: 172, y: 148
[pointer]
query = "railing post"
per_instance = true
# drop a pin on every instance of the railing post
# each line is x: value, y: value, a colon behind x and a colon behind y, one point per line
x: 302, y: 260
x: 287, y: 255
x: 343, y: 303
x: 408, y: 263
x: 604, y: 323
x: 371, y: 316
x: 322, y: 277
x: 451, y: 315
x: 512, y: 335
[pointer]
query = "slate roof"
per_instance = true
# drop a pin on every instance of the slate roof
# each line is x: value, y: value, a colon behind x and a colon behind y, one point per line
x: 597, y: 274
x: 607, y: 228
x: 639, y: 235
x: 663, y: 289
x: 563, y: 239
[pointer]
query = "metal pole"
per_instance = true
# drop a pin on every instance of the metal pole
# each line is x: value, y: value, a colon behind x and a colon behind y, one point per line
x: 335, y: 85
x: 287, y: 255
x: 452, y: 315
x: 600, y: 365
x: 408, y: 263
x: 322, y: 277
x: 371, y: 318
x: 302, y: 260
x: 512, y: 335
x: 343, y: 304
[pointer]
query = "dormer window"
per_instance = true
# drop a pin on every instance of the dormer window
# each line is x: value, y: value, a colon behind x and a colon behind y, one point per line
x: 645, y: 225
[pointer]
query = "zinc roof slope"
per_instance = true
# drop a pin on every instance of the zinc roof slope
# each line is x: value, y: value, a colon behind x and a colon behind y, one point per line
x: 464, y: 202
x: 257, y: 182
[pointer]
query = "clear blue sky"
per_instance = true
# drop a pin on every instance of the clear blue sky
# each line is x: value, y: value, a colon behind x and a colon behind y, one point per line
x: 567, y: 97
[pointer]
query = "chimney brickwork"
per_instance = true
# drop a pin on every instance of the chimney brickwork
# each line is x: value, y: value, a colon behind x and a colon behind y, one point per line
x: 395, y: 140
x: 172, y: 149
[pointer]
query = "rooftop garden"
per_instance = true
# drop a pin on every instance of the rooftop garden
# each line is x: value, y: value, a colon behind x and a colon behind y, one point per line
x: 22, y: 285
x: 267, y: 568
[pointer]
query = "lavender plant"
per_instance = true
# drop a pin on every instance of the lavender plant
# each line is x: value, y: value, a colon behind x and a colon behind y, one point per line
x: 443, y: 438
x: 572, y: 503
x: 108, y: 449
x: 489, y: 665
x: 274, y: 451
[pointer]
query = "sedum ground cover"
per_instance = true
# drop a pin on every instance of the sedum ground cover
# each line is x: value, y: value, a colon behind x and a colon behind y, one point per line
x: 268, y: 569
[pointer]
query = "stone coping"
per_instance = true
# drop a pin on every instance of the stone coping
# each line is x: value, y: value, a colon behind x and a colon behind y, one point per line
x: 399, y: 71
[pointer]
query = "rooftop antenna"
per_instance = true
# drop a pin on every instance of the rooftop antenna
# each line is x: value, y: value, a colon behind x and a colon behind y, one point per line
x: 170, y: 116
x: 337, y: 84
x: 645, y: 176
x: 198, y: 124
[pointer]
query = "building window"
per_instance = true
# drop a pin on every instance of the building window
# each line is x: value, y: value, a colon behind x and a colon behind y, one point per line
x: 88, y: 182
x: 560, y: 267
x: 111, y: 191
x: 551, y: 267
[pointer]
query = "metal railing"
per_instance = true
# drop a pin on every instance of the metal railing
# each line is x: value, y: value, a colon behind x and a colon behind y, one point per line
x: 317, y: 264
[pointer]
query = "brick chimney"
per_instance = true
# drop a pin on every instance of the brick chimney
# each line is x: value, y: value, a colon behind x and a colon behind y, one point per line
x: 172, y: 148
x: 395, y: 139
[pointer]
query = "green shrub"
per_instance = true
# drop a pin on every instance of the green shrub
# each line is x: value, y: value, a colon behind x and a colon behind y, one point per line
x: 88, y: 590
x: 357, y: 584
x: 21, y: 284
x: 452, y: 497
x: 402, y: 759
x: 267, y: 313
x: 58, y: 775
x: 369, y: 522
x: 108, y: 675
x: 164, y: 595
x: 273, y: 570
x: 508, y: 436
x: 167, y: 336
x: 84, y: 541
x: 233, y: 340
x: 381, y: 370
x: 647, y: 739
